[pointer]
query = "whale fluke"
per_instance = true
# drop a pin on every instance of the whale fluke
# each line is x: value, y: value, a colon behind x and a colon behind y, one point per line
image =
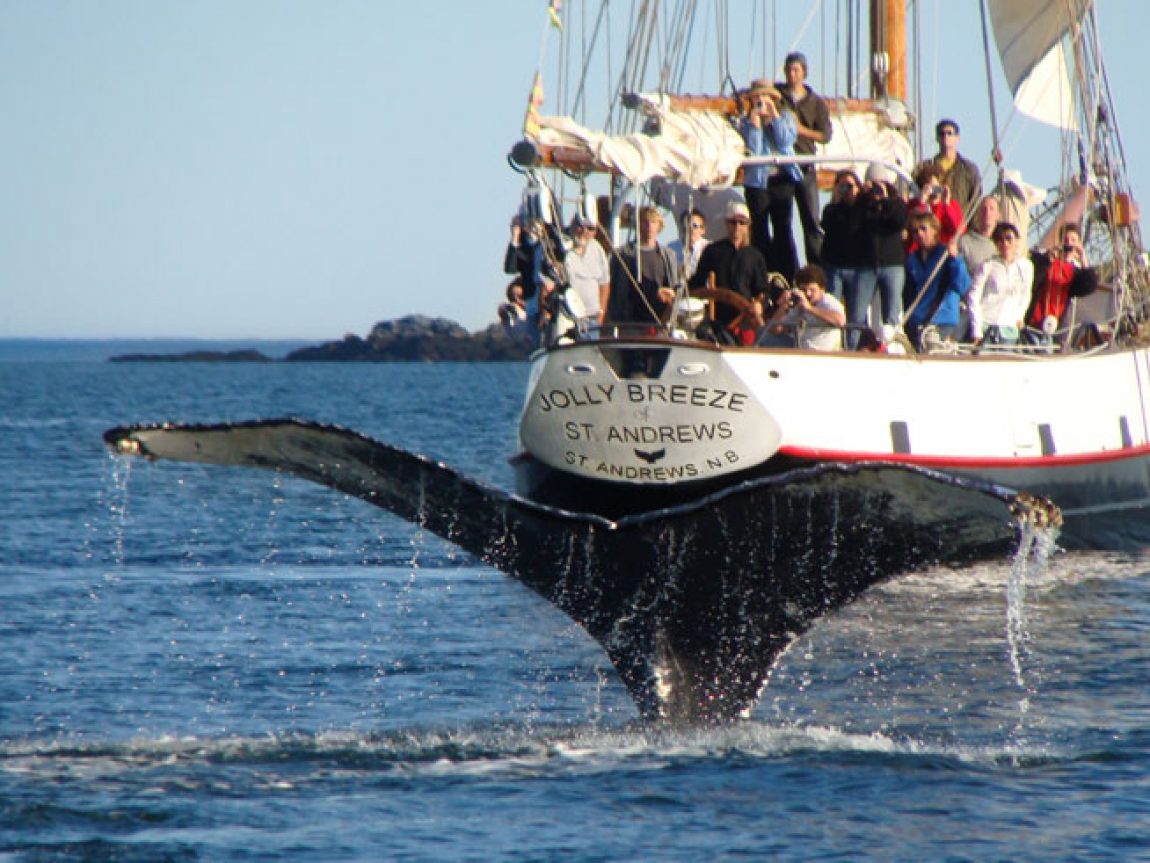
x: 692, y: 603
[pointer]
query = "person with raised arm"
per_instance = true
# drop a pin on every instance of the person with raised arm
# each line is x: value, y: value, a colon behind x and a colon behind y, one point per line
x: 1061, y: 274
x: 882, y: 264
x: 810, y: 316
x: 770, y: 129
x: 842, y: 233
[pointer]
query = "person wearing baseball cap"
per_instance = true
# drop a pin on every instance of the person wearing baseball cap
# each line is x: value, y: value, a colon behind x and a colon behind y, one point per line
x: 588, y: 272
x: 734, y: 264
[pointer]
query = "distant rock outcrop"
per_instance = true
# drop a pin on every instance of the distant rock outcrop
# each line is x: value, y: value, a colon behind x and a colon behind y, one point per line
x: 412, y: 339
x: 243, y: 356
x: 417, y: 338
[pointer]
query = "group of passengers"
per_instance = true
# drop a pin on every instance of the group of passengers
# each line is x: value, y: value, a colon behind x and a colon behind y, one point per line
x: 934, y: 277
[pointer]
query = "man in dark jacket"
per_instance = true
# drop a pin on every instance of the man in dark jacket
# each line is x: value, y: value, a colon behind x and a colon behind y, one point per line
x: 882, y: 257
x: 958, y: 174
x: 735, y: 264
x: 644, y: 276
x: 814, y: 122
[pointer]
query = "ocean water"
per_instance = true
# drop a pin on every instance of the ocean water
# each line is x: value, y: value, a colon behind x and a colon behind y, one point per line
x: 219, y: 664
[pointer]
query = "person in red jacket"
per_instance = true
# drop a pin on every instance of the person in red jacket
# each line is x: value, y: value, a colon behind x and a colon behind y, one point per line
x: 1060, y: 275
x: 935, y: 197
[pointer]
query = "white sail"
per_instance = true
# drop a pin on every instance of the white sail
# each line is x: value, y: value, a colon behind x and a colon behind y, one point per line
x: 699, y: 148
x: 1029, y: 34
x: 1045, y: 93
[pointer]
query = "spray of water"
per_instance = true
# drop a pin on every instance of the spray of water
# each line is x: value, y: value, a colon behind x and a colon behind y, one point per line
x: 117, y: 505
x: 1039, y: 522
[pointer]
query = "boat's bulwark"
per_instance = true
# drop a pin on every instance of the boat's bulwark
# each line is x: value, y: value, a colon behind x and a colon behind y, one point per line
x: 648, y: 415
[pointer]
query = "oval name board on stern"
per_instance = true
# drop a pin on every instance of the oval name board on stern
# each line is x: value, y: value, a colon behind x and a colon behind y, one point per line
x: 683, y: 417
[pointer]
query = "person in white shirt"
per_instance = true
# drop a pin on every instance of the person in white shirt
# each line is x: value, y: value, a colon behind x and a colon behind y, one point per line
x: 815, y: 317
x: 1000, y: 291
x: 588, y: 274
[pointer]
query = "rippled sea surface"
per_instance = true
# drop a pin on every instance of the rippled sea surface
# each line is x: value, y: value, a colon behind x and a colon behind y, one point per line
x: 217, y: 664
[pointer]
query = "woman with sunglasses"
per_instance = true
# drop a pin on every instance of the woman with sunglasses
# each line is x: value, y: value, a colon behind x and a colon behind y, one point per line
x: 690, y: 248
x: 1000, y: 291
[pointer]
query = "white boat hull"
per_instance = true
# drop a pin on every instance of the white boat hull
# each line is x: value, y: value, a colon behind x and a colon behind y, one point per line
x: 652, y: 420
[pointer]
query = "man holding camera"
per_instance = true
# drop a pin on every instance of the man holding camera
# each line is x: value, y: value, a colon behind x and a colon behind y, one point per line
x: 809, y: 317
x: 1060, y: 275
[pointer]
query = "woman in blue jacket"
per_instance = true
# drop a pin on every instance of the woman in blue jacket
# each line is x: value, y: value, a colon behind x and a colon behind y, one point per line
x: 771, y: 129
x: 936, y: 282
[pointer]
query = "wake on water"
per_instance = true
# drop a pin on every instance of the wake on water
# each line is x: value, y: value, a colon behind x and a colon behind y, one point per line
x: 503, y: 751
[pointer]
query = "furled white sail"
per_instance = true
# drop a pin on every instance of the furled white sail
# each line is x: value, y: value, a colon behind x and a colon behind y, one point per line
x: 699, y: 148
x: 864, y: 136
x: 1029, y: 34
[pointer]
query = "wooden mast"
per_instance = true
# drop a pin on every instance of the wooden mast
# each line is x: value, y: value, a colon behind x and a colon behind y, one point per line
x: 888, y: 48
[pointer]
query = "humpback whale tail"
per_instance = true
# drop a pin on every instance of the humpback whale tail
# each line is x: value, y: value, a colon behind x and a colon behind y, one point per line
x: 692, y: 603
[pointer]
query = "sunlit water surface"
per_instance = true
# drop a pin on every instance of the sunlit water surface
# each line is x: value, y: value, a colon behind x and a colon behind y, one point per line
x: 216, y: 664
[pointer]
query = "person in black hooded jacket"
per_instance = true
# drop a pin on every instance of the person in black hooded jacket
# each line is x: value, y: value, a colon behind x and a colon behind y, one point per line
x: 883, y: 214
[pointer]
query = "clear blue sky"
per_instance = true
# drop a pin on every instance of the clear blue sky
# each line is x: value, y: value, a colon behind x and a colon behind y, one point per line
x: 305, y: 168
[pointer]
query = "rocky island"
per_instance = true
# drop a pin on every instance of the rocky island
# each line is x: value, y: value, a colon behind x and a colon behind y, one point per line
x: 410, y: 339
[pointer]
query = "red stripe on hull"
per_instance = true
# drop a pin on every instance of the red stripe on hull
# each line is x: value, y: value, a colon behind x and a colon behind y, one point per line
x: 966, y: 462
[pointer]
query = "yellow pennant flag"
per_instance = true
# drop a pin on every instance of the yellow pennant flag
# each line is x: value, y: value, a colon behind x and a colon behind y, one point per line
x: 534, y: 103
x: 554, y: 8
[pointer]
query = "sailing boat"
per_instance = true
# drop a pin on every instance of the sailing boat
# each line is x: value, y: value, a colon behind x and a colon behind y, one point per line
x: 623, y: 419
x: 690, y: 504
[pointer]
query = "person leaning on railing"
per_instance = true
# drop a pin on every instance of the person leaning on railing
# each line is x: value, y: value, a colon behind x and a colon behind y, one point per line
x: 810, y: 318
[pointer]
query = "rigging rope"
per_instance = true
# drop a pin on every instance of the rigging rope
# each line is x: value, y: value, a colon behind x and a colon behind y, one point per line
x: 997, y: 151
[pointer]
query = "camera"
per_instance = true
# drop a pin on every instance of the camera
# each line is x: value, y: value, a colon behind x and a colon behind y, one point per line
x: 793, y: 297
x: 1067, y: 248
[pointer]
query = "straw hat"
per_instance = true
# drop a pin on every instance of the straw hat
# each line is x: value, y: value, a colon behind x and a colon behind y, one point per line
x: 765, y: 87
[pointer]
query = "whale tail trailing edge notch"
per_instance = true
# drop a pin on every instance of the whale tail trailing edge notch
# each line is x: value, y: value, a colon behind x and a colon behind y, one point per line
x: 692, y: 604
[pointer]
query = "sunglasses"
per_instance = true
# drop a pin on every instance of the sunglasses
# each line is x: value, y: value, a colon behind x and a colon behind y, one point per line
x: 739, y: 221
